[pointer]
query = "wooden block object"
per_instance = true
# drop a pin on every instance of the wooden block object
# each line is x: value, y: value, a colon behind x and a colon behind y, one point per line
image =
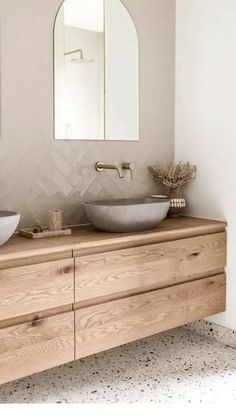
x: 30, y: 234
x: 139, y: 269
x: 33, y: 288
x: 36, y: 346
x: 111, y: 324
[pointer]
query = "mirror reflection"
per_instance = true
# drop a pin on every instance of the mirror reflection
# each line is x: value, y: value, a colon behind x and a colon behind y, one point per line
x: 96, y: 72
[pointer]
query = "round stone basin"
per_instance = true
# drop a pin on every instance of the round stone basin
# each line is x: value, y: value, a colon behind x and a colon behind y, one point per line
x: 8, y: 223
x: 127, y: 215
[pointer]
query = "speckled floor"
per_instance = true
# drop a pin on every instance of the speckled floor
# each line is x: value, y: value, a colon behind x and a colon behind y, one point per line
x: 174, y: 366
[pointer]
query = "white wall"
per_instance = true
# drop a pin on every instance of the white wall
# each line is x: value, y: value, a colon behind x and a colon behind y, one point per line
x: 84, y: 85
x: 122, y: 74
x: 84, y: 14
x: 206, y: 117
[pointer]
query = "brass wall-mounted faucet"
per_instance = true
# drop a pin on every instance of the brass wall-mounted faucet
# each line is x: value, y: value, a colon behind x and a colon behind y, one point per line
x: 100, y: 167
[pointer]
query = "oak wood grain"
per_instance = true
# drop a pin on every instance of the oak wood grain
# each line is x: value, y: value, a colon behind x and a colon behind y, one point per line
x: 33, y: 260
x: 32, y: 347
x: 145, y: 268
x: 167, y: 230
x: 35, y: 288
x: 105, y: 326
x: 36, y: 316
x: 88, y: 240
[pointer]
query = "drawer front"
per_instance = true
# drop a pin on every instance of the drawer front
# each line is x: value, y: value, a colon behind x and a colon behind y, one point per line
x: 149, y: 267
x: 111, y: 324
x: 35, y: 288
x: 32, y: 347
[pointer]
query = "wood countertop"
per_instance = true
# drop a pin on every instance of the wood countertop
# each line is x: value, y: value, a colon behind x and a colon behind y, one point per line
x: 87, y: 240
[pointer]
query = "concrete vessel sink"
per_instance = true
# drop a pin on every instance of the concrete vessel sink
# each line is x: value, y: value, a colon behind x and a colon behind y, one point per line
x: 127, y: 215
x: 8, y: 223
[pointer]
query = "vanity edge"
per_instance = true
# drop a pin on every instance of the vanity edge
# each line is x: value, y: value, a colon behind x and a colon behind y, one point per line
x: 87, y: 240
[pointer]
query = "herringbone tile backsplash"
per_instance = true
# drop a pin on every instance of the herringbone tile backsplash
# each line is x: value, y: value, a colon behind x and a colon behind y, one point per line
x: 37, y: 173
x: 61, y: 177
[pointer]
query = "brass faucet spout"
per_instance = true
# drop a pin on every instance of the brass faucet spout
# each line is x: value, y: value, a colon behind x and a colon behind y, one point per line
x: 100, y: 167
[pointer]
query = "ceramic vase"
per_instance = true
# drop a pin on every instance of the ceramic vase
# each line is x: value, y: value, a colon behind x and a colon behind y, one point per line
x: 177, y: 203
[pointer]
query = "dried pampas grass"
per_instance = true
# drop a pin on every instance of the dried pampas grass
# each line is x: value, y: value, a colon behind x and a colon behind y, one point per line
x: 173, y: 175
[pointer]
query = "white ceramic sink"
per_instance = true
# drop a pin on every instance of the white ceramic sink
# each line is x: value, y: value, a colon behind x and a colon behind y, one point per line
x: 8, y: 224
x: 127, y: 215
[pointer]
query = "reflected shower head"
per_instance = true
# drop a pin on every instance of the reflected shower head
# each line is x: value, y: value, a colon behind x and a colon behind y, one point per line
x: 80, y: 59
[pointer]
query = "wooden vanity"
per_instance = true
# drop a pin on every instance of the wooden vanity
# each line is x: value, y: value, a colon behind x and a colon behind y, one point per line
x: 65, y: 298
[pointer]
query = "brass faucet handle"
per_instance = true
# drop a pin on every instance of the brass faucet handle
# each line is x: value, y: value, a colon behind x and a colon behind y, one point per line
x: 128, y: 166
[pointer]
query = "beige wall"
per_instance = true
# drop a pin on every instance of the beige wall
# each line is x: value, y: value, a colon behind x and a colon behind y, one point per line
x: 205, y: 117
x: 37, y: 173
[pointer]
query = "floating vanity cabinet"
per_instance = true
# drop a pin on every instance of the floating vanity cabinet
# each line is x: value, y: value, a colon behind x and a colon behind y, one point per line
x: 66, y: 298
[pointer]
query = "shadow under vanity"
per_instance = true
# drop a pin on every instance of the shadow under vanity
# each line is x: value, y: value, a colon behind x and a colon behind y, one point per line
x: 65, y: 298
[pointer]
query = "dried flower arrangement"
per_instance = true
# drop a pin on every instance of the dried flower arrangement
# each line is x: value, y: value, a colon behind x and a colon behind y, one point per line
x: 173, y: 176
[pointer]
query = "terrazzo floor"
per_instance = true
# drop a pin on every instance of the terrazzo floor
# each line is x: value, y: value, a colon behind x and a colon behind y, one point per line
x: 175, y: 366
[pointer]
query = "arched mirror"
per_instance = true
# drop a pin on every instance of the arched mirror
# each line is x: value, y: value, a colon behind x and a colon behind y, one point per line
x: 96, y: 72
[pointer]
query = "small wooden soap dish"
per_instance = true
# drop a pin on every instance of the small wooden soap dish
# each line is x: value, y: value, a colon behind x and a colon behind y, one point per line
x: 30, y: 234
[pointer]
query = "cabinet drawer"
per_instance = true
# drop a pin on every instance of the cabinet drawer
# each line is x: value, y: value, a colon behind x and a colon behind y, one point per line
x: 37, y: 287
x: 111, y: 324
x: 144, y: 268
x: 36, y: 346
